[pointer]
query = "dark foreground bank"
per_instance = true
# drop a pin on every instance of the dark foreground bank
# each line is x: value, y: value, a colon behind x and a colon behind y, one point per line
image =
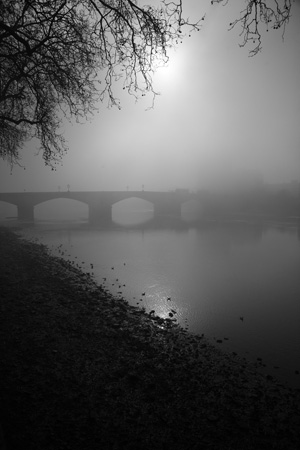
x: 81, y: 370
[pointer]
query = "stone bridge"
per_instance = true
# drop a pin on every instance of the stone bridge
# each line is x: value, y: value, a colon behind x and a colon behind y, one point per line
x: 99, y: 202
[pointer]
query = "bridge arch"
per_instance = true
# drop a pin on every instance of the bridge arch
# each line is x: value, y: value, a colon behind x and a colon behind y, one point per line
x: 62, y: 208
x: 8, y: 210
x: 133, y: 210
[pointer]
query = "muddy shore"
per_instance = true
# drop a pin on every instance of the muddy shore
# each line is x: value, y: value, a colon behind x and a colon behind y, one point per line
x: 82, y: 370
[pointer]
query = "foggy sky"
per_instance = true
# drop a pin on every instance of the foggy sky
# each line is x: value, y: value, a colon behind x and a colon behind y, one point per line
x: 220, y: 113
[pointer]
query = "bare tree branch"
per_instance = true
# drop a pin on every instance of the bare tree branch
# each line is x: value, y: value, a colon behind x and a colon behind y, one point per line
x: 273, y: 14
x: 54, y: 52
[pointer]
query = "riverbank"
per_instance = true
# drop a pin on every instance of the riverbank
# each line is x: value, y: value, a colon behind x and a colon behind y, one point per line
x: 82, y: 370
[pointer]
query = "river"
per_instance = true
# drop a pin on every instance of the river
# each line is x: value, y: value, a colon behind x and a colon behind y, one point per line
x: 236, y: 282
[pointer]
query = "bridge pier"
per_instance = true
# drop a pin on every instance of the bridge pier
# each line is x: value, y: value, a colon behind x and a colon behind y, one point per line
x: 26, y: 212
x: 99, y: 213
x: 171, y: 208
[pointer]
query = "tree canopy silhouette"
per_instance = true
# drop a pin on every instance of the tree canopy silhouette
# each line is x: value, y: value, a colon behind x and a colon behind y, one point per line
x: 60, y: 57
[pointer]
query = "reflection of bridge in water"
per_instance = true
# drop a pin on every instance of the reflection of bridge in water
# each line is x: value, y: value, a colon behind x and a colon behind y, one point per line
x: 100, y: 202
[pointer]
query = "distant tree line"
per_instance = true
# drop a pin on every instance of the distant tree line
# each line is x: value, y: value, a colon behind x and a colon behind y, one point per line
x: 261, y: 202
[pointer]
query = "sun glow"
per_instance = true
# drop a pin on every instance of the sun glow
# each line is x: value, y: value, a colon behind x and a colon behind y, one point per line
x: 171, y: 74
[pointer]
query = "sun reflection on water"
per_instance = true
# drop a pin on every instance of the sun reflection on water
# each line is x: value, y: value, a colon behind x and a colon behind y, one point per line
x: 159, y: 302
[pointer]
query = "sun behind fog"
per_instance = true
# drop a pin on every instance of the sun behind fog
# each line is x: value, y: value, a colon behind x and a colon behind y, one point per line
x: 171, y: 74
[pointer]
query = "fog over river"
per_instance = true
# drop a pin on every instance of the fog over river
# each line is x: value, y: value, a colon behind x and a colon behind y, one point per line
x: 236, y: 282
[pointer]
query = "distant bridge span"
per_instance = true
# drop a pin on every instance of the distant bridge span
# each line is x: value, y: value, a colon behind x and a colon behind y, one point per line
x: 99, y: 202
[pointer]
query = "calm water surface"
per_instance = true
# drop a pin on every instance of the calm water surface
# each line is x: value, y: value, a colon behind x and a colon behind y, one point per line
x: 212, y: 275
